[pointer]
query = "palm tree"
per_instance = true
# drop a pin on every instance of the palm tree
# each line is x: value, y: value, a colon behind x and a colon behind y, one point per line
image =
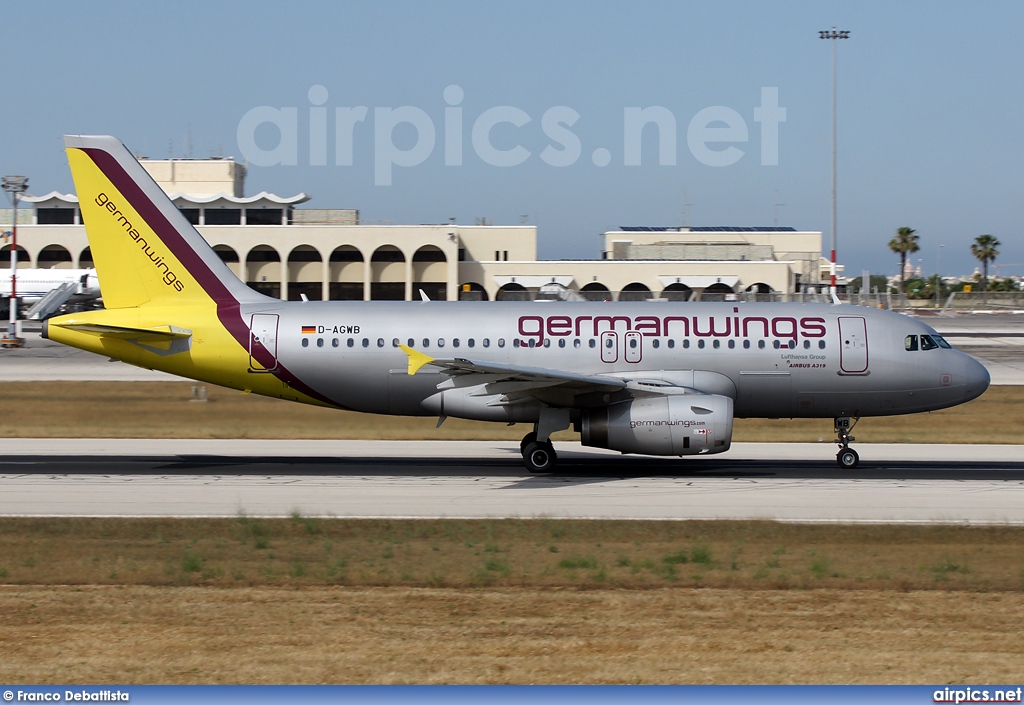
x: 985, y: 249
x: 904, y: 244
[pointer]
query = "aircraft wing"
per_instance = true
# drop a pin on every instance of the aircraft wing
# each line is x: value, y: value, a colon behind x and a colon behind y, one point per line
x: 556, y: 387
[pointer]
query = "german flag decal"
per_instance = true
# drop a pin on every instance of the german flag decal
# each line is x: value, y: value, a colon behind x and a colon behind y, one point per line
x: 308, y: 330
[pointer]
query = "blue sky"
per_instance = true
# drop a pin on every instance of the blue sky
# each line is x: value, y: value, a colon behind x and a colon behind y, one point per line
x: 931, y: 101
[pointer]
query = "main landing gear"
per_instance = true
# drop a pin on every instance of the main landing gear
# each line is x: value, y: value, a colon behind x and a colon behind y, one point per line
x: 538, y: 456
x: 846, y: 457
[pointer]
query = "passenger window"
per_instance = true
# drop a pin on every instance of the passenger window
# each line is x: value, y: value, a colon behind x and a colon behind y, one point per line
x: 351, y: 342
x: 609, y: 343
x: 576, y: 343
x: 380, y: 342
x: 487, y: 342
x: 455, y: 343
x: 632, y: 343
x: 561, y: 342
x: 807, y: 345
x: 671, y: 343
x: 515, y: 343
x: 686, y: 343
x: 717, y: 344
x: 776, y: 344
x: 471, y: 342
x: 760, y: 344
x: 334, y: 342
x: 910, y: 343
x: 501, y: 342
x: 412, y: 343
x: 305, y: 342
x: 732, y: 344
x: 927, y: 343
x: 440, y: 342
x: 426, y: 343
x: 547, y: 343
x: 821, y: 344
x: 593, y: 343
x: 700, y: 343
x: 655, y: 342
x: 319, y: 342
x: 366, y: 342
x: 394, y: 342
x: 746, y: 344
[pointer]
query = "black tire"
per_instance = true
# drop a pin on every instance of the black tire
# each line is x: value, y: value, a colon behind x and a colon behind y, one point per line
x: 539, y: 457
x: 848, y: 458
x: 529, y: 438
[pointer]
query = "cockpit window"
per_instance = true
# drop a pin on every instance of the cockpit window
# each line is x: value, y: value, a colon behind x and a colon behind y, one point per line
x: 927, y: 343
x: 941, y: 341
x: 910, y: 342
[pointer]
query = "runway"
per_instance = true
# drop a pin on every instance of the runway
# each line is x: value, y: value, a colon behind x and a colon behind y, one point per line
x: 465, y: 479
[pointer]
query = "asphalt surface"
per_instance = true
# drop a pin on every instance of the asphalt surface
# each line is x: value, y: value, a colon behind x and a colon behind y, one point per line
x: 785, y: 482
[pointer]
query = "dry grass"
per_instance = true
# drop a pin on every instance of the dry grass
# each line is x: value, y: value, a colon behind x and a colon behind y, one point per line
x: 138, y: 634
x: 516, y: 601
x: 305, y: 552
x: 164, y: 410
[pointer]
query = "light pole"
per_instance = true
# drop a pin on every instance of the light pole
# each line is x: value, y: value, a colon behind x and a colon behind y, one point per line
x: 833, y: 35
x: 938, y: 276
x: 14, y: 185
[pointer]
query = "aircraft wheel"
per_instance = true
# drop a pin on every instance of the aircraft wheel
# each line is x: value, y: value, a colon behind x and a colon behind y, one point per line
x: 529, y: 438
x: 848, y: 458
x: 539, y: 457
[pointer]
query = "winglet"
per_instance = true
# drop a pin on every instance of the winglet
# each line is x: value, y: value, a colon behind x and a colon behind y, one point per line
x: 416, y: 358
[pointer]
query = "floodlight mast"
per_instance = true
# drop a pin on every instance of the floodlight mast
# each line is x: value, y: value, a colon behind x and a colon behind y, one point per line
x: 14, y: 185
x: 834, y: 35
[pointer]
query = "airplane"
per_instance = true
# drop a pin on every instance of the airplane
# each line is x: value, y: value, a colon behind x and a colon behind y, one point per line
x: 657, y: 378
x: 34, y: 285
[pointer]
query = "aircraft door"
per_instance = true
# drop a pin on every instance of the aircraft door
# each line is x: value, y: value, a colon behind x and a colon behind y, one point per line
x: 634, y: 346
x: 263, y: 333
x: 853, y: 344
x: 609, y: 346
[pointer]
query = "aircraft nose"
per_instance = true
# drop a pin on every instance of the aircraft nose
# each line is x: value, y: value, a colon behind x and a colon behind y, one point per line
x: 977, y: 379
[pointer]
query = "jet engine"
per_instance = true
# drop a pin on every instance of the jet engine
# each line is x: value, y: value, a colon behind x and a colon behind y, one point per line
x: 682, y: 424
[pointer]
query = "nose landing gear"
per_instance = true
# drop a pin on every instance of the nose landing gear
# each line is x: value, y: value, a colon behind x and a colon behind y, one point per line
x: 846, y: 457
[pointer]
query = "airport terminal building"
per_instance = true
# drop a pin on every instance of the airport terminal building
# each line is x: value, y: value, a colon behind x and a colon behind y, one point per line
x: 288, y: 251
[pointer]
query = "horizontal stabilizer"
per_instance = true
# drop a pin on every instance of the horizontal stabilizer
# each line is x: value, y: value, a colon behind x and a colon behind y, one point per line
x: 166, y: 332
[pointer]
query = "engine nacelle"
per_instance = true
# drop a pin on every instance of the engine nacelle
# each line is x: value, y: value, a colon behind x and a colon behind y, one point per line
x: 683, y: 424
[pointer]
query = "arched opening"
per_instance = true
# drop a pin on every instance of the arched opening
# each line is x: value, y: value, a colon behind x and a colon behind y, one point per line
x: 229, y: 257
x: 471, y: 291
x: 305, y: 274
x: 346, y: 264
x: 263, y: 264
x: 5, y: 257
x: 676, y: 292
x: 759, y: 292
x: 53, y: 257
x: 716, y: 292
x: 387, y: 274
x: 512, y: 292
x: 85, y: 259
x: 596, y: 291
x: 635, y: 292
x: 430, y: 273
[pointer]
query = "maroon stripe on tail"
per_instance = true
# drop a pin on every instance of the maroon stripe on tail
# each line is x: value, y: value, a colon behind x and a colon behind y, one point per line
x: 228, y: 307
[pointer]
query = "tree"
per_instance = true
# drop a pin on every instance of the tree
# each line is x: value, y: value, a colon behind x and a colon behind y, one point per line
x: 904, y: 244
x: 985, y: 249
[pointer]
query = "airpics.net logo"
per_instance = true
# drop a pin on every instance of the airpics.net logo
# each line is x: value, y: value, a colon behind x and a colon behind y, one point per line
x: 715, y: 136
